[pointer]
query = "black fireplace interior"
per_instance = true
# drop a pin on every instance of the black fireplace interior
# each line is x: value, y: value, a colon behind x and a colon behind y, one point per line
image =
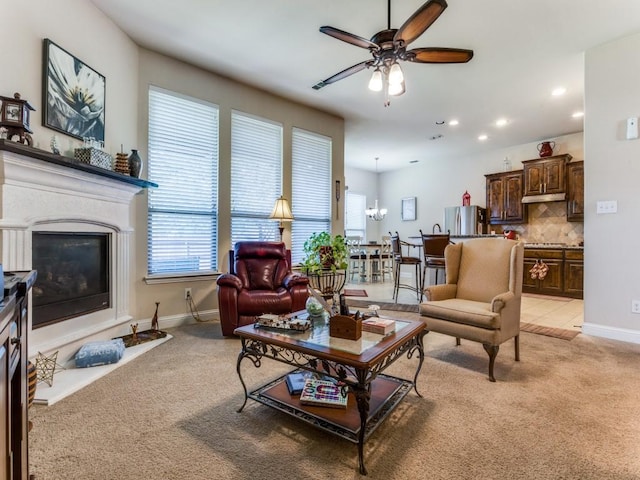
x: 73, y: 275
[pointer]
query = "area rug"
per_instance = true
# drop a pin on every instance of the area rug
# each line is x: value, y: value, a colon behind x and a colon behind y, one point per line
x: 354, y: 292
x: 562, y: 333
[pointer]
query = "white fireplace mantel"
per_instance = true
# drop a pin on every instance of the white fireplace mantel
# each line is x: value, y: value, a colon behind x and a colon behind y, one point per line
x: 40, y: 191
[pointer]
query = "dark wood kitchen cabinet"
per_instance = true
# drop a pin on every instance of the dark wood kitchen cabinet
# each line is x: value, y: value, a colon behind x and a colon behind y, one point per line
x: 14, y: 459
x: 552, y: 283
x: 545, y: 175
x: 575, y: 192
x: 504, y: 198
x: 573, y: 273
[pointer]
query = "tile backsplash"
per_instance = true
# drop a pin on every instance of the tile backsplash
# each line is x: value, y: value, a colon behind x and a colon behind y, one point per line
x: 548, y: 224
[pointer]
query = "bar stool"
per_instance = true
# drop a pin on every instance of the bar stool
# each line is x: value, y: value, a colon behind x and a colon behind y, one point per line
x: 398, y: 260
x: 433, y: 245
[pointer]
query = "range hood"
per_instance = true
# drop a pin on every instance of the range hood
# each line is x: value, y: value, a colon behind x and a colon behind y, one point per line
x: 545, y: 197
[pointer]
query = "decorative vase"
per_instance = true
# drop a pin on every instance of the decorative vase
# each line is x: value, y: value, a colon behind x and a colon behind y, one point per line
x: 466, y: 199
x: 135, y: 164
x: 545, y: 149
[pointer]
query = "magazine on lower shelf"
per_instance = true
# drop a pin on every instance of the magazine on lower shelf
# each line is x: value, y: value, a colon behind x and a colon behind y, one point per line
x: 323, y: 393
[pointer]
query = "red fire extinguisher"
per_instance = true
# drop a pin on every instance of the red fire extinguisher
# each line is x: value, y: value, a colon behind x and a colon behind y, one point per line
x: 466, y: 199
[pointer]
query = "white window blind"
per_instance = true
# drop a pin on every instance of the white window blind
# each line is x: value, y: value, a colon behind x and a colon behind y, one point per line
x: 183, y: 161
x: 256, y: 177
x: 354, y: 216
x: 312, y: 189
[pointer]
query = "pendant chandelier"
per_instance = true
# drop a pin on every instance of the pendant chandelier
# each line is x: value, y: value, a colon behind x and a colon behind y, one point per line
x: 375, y: 213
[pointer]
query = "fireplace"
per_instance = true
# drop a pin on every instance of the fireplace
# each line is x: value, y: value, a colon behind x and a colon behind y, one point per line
x: 46, y: 198
x: 73, y: 275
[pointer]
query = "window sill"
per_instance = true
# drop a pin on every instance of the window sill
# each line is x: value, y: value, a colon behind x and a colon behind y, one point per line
x: 180, y: 277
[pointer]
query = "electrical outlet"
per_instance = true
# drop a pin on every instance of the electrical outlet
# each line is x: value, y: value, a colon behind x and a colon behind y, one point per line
x: 635, y: 306
x: 187, y: 293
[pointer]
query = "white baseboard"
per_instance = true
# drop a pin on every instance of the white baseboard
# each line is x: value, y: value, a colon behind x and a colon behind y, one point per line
x: 612, y: 333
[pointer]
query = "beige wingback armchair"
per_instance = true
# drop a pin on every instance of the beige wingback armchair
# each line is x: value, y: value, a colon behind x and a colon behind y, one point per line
x: 480, y: 300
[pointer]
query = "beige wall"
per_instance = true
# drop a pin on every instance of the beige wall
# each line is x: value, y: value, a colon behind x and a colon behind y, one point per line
x: 440, y: 182
x: 85, y: 32
x: 171, y: 74
x: 612, y: 172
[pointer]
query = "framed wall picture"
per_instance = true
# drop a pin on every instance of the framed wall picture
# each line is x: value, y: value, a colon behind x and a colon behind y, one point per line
x: 73, y: 95
x: 409, y: 208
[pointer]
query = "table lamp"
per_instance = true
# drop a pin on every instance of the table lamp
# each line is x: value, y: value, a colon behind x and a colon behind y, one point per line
x: 282, y: 213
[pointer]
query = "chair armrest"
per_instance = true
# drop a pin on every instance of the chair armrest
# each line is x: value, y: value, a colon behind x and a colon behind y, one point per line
x: 440, y: 292
x: 229, y: 280
x: 292, y: 279
x: 500, y: 301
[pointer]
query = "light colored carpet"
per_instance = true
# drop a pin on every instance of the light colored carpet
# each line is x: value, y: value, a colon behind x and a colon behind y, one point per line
x: 567, y: 410
x: 562, y: 333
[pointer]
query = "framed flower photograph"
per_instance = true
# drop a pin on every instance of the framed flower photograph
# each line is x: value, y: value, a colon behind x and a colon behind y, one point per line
x: 73, y: 95
x: 408, y: 209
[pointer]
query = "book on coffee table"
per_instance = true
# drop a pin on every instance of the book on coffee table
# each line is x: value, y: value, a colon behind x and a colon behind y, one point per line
x: 378, y: 325
x: 323, y: 393
x: 295, y: 382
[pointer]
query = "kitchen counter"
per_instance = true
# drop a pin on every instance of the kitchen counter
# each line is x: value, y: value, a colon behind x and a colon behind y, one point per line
x: 553, y: 246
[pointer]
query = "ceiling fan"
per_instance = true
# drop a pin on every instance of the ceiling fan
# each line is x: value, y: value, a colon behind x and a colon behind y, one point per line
x: 390, y: 46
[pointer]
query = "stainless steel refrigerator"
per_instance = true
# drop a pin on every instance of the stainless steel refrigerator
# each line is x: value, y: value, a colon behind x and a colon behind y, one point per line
x: 469, y: 220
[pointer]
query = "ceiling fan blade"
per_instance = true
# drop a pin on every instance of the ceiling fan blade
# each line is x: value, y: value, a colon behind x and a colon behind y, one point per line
x: 422, y: 19
x: 349, y: 38
x: 439, y: 55
x: 343, y: 74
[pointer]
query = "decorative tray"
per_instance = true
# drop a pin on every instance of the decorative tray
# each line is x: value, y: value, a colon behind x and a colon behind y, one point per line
x: 289, y: 321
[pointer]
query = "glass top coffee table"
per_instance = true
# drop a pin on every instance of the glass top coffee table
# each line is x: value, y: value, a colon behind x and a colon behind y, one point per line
x: 357, y: 364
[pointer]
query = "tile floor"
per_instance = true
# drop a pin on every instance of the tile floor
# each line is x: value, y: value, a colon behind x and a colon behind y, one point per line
x: 556, y: 312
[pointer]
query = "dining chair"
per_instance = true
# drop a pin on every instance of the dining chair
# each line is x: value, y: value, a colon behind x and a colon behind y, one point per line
x: 357, y: 257
x: 433, y: 245
x: 399, y: 259
x: 385, y: 258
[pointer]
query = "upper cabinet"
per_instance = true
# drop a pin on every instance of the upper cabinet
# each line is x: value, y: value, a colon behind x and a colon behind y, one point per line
x: 575, y: 192
x: 545, y: 177
x: 504, y: 198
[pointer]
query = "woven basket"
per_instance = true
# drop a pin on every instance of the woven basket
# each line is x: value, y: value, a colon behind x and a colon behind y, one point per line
x: 95, y: 157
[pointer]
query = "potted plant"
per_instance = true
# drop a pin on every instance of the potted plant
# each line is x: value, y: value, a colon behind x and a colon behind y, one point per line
x: 325, y: 263
x: 324, y: 251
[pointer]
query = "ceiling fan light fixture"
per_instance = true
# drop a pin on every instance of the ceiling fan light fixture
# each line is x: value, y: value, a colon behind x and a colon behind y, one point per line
x: 395, y: 74
x: 375, y: 84
x: 396, y: 89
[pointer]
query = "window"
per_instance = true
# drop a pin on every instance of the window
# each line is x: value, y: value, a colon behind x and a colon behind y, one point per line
x: 183, y: 161
x: 256, y: 177
x: 311, y: 196
x: 354, y: 217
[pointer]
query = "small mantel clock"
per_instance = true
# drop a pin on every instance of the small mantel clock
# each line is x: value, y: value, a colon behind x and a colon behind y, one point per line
x: 14, y: 116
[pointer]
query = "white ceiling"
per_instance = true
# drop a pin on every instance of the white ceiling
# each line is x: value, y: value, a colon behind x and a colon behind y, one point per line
x: 522, y: 50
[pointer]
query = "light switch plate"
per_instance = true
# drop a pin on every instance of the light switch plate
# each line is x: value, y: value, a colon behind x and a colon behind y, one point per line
x: 607, y: 206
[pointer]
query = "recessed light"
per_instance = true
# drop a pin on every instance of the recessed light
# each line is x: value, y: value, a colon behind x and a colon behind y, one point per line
x: 578, y: 115
x: 483, y: 137
x: 558, y: 91
x: 501, y: 122
x: 414, y: 161
x: 440, y: 122
x: 453, y: 123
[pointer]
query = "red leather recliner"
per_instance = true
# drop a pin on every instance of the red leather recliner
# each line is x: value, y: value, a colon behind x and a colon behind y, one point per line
x: 259, y: 281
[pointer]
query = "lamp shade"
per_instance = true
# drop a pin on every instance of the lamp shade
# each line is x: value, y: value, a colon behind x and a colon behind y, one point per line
x: 281, y: 210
